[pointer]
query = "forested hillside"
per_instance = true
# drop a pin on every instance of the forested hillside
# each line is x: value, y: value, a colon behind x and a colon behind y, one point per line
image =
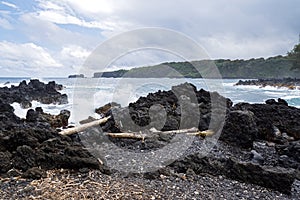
x: 274, y: 67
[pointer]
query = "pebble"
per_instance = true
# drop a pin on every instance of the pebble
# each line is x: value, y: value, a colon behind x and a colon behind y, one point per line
x: 97, y: 185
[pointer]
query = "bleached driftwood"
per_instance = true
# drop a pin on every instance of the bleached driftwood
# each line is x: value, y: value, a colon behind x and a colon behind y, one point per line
x: 127, y: 135
x: 191, y: 132
x: 83, y: 127
x: 133, y: 135
x: 202, y: 133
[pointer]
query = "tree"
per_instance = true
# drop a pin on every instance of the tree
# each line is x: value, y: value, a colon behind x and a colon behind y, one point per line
x: 294, y: 56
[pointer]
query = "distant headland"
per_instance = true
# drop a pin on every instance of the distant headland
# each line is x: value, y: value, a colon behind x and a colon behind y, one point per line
x: 255, y: 68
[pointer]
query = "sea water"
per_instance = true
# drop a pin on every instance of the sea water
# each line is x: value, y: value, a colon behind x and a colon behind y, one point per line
x: 86, y: 94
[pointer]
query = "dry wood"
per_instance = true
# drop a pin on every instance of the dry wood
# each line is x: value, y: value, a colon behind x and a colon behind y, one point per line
x: 202, y: 133
x: 191, y: 132
x: 83, y: 127
x: 127, y: 135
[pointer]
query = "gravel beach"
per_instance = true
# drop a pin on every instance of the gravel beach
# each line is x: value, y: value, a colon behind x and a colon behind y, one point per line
x: 92, y: 184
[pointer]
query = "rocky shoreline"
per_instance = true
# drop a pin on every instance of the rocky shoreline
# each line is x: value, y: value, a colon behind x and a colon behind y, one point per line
x: 257, y: 143
x: 290, y: 83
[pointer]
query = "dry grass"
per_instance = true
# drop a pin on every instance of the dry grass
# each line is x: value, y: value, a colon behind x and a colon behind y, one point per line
x: 68, y: 185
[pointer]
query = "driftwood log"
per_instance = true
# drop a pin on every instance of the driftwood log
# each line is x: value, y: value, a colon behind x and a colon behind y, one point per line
x: 191, y: 132
x: 134, y: 135
x: 83, y: 127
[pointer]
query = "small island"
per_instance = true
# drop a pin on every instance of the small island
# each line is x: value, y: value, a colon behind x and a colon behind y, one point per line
x: 76, y: 76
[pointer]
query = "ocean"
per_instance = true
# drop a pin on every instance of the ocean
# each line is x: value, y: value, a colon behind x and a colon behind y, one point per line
x: 86, y: 94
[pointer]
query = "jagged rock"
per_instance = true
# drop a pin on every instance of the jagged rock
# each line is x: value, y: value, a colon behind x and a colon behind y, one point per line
x: 285, y: 118
x: 240, y: 129
x: 279, y: 102
x: 290, y: 83
x: 56, y: 121
x: 34, y: 142
x: 35, y: 90
x: 172, y: 111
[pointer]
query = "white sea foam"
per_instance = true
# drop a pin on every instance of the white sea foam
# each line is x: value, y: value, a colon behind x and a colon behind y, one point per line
x: 53, y: 109
x: 8, y: 84
x: 124, y: 91
x: 291, y: 97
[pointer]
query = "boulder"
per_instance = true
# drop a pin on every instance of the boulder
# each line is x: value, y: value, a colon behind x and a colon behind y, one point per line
x: 277, y: 178
x: 240, y: 129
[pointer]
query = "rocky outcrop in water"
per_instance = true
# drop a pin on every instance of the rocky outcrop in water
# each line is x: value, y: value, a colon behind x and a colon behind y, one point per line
x: 76, y: 76
x: 35, y: 90
x: 290, y: 83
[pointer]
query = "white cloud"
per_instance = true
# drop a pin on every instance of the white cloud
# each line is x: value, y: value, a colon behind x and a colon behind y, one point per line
x: 25, y: 57
x: 229, y: 46
x: 73, y: 56
x: 65, y: 18
x: 254, y: 20
x: 75, y: 52
x: 68, y: 29
x: 89, y: 14
x: 4, y: 23
x: 9, y: 4
x: 92, y: 6
x: 48, y: 33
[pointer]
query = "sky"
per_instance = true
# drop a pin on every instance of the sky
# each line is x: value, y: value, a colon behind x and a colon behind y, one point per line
x: 53, y: 38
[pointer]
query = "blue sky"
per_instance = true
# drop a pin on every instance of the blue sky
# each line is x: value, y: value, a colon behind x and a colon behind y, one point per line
x: 45, y: 38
